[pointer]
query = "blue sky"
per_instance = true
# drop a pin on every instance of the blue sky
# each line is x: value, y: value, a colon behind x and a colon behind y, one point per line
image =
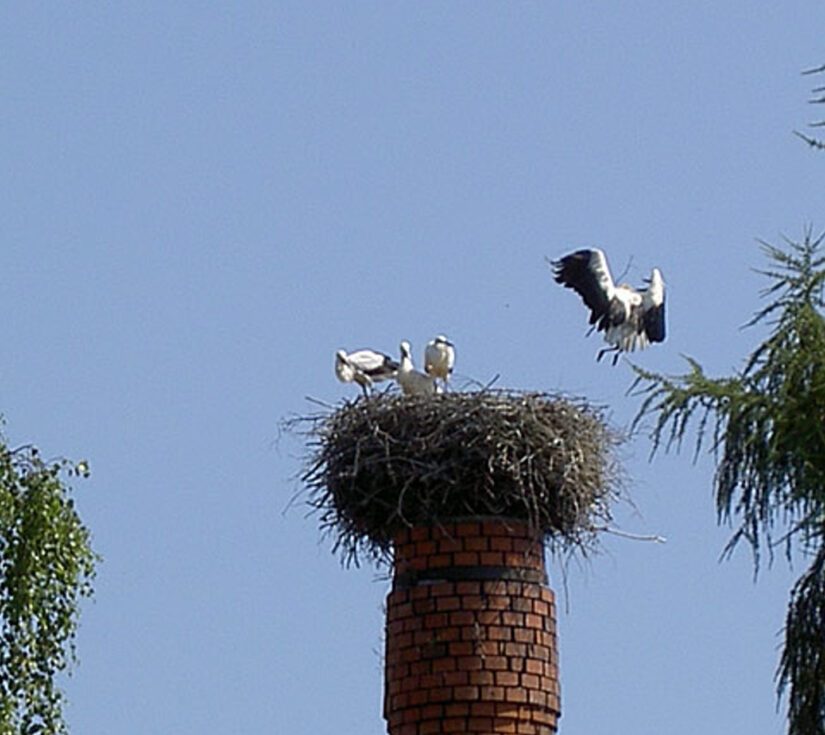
x: 202, y: 201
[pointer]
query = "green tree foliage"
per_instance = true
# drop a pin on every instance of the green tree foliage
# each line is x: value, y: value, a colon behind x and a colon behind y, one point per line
x: 46, y: 566
x: 766, y: 427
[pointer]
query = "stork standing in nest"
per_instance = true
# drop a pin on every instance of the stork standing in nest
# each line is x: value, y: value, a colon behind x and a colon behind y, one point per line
x: 413, y: 382
x: 439, y: 358
x: 631, y: 319
x: 365, y: 367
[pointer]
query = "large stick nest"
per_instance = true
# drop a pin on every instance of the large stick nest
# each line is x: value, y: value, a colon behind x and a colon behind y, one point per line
x: 376, y: 465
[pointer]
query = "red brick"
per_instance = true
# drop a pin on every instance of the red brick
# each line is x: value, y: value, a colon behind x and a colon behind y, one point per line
x: 432, y: 711
x: 442, y: 589
x: 463, y: 617
x: 413, y: 624
x: 512, y: 618
x: 530, y: 681
x: 443, y: 694
x: 465, y: 693
x: 544, y: 717
x: 499, y: 633
x: 492, y: 693
x: 492, y: 558
x: 498, y: 602
x: 504, y: 726
x: 444, y: 664
x: 488, y: 617
x: 429, y: 728
x: 403, y: 610
x: 465, y: 559
x: 420, y: 533
x: 394, y: 628
x: 435, y: 620
x: 488, y: 648
x: 426, y: 548
x: 439, y: 561
x: 481, y: 677
x: 419, y: 667
x: 450, y: 545
x: 494, y: 588
x: 534, y: 667
x: 467, y: 529
x: 499, y: 528
x: 447, y: 635
x: 484, y: 709
x: 429, y: 681
x: 524, y: 635
x: 468, y: 588
x: 515, y: 694
x: 506, y: 679
x: 403, y: 640
x: 533, y: 621
x: 468, y: 663
x: 448, y: 603
x: 521, y: 544
x: 419, y: 696
x: 546, y: 639
x: 472, y: 602
x: 458, y: 678
x: 539, y: 652
x: 495, y: 663
x: 424, y: 606
x: 548, y: 684
x: 540, y: 607
x: 457, y: 710
x: 476, y: 543
x: 501, y: 544
x: 520, y: 604
x: 453, y: 724
x: 519, y: 559
x: 443, y: 530
x: 537, y: 697
x: 480, y: 724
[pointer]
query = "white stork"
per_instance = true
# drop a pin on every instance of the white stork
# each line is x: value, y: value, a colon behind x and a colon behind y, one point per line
x: 412, y: 381
x: 630, y: 319
x: 365, y: 367
x: 439, y: 358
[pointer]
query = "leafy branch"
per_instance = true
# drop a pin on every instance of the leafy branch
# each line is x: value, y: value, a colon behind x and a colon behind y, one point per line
x: 46, y: 566
x: 765, y: 426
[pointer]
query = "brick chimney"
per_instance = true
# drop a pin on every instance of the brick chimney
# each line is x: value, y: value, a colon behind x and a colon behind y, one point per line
x: 471, y: 632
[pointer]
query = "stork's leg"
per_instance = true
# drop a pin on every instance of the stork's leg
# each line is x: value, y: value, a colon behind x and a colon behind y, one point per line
x: 616, y: 357
x: 613, y: 348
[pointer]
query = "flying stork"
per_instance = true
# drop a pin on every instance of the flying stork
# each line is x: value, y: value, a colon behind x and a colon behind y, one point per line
x: 413, y: 382
x: 439, y: 358
x: 630, y: 319
x: 365, y: 367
